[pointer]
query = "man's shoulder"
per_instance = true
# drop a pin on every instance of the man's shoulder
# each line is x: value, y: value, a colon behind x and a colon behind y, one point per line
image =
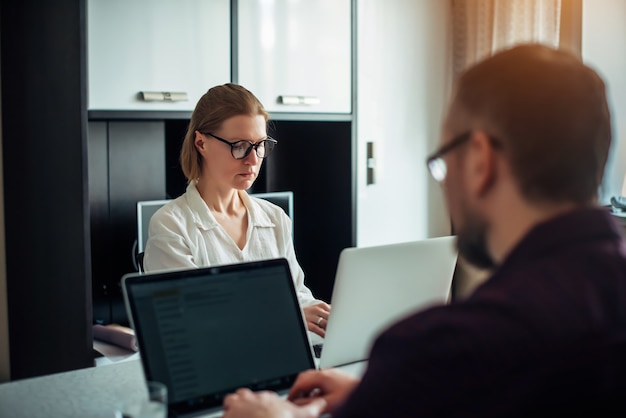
x: 448, y: 325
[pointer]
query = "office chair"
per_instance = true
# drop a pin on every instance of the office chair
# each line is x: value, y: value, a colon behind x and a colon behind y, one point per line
x: 147, y: 208
x: 282, y: 199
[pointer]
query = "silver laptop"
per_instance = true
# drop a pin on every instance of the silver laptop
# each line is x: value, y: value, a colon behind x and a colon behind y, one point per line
x: 376, y: 286
x: 206, y: 332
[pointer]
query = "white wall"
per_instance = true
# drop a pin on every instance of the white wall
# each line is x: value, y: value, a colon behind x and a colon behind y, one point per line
x: 604, y: 48
x: 403, y: 83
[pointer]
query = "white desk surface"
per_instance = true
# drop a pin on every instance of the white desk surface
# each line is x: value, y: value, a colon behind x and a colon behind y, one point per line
x: 85, y: 393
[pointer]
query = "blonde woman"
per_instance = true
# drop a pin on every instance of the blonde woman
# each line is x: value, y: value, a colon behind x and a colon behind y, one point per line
x: 215, y: 221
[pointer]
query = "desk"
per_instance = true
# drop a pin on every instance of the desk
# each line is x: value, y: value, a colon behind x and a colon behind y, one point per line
x: 92, y: 392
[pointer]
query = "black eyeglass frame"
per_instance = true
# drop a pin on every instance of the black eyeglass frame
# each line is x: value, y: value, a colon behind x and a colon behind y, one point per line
x: 455, y: 142
x: 438, y: 155
x: 252, y: 145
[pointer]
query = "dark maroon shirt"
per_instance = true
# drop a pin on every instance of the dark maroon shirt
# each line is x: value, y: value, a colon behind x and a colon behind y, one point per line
x: 545, y: 333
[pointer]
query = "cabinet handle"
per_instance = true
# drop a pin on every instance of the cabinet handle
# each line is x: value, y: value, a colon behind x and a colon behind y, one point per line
x: 370, y: 163
x: 298, y: 100
x: 163, y: 96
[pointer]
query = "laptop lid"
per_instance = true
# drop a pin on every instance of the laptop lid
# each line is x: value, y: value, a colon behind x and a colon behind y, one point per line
x: 376, y: 286
x: 206, y: 332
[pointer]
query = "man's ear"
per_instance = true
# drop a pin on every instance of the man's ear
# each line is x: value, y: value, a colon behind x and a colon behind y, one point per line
x: 481, y: 164
x: 199, y: 141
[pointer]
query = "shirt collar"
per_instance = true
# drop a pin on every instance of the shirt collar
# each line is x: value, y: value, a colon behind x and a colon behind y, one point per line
x: 256, y: 214
x: 204, y: 218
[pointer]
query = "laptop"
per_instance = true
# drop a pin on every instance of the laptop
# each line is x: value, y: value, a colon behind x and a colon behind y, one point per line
x: 207, y: 332
x: 376, y: 286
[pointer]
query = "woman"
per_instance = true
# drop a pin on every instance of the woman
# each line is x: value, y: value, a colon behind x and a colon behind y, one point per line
x: 215, y: 221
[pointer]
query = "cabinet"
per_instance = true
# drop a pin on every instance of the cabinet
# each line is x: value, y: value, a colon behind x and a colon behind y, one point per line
x: 126, y: 163
x: 135, y: 46
x: 403, y: 82
x: 322, y: 179
x: 136, y: 158
x: 296, y: 55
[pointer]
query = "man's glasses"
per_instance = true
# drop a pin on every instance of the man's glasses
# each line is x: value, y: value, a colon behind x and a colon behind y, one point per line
x: 435, y: 162
x: 242, y: 148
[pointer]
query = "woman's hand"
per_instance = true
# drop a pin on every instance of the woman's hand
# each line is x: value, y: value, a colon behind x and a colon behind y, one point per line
x: 317, y: 318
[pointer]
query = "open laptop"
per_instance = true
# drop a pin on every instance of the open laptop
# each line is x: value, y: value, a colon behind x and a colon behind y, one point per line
x: 376, y: 286
x: 206, y: 332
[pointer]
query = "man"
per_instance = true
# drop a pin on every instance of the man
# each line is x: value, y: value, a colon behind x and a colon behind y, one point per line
x: 524, y: 145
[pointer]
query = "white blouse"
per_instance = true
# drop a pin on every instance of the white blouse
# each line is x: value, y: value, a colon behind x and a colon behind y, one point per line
x: 185, y: 234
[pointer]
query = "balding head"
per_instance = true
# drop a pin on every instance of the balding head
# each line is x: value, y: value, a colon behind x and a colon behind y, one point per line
x: 549, y: 112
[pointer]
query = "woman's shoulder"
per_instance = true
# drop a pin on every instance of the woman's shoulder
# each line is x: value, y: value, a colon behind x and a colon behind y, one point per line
x: 175, y: 209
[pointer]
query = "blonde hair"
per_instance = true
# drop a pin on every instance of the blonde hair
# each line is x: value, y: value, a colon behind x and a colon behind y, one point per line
x: 213, y: 108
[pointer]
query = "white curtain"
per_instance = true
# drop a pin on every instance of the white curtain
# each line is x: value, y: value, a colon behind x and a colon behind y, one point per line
x: 482, y: 27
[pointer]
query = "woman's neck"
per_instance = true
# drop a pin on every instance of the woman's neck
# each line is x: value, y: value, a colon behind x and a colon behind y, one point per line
x: 221, y: 201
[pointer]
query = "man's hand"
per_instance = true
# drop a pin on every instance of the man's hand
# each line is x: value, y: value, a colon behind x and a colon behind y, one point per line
x: 331, y: 385
x: 247, y: 404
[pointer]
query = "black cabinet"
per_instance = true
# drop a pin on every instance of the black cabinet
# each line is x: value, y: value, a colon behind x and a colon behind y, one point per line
x: 314, y: 160
x: 138, y: 160
x: 126, y: 164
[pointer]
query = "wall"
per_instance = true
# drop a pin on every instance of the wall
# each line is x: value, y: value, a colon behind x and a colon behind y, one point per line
x: 46, y: 228
x: 5, y: 368
x: 604, y: 48
x: 403, y: 79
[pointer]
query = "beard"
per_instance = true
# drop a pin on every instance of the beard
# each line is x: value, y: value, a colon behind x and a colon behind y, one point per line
x: 472, y: 242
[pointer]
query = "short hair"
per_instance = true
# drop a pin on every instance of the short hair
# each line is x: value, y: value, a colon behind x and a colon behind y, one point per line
x: 550, y: 113
x: 213, y: 108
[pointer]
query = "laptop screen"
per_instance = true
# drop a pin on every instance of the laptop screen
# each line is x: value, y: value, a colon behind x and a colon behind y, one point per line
x: 378, y: 285
x: 206, y: 332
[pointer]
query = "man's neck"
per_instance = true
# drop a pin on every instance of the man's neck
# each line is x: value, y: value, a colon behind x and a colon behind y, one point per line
x: 511, y: 224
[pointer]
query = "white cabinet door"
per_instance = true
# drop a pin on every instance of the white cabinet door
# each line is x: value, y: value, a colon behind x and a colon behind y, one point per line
x: 295, y: 56
x: 404, y: 81
x: 171, y: 46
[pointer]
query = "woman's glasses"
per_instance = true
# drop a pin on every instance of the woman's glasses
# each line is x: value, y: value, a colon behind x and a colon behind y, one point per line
x: 242, y: 148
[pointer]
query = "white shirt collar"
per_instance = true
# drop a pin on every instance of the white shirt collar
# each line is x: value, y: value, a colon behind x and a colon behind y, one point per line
x: 205, y: 219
